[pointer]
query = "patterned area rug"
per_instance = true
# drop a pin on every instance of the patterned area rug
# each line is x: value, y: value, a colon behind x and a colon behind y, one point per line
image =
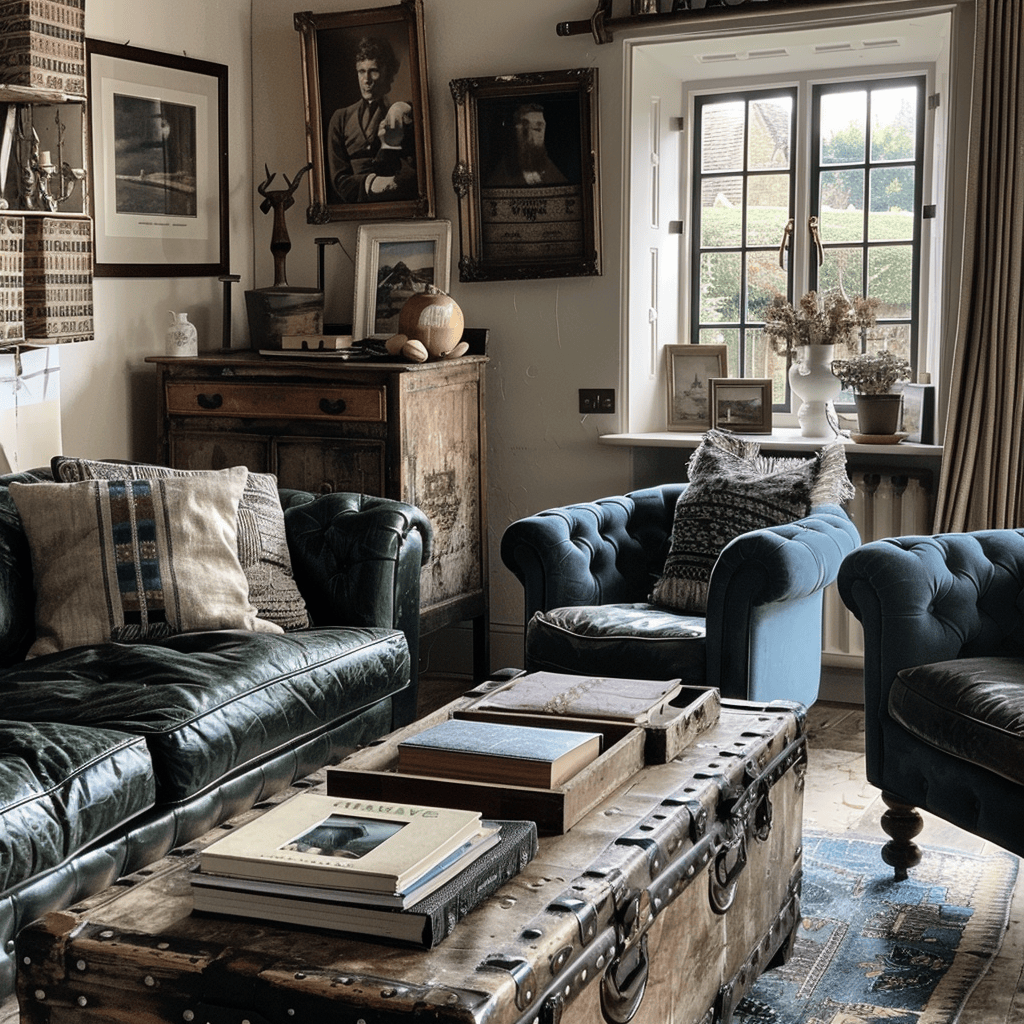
x: 874, y: 949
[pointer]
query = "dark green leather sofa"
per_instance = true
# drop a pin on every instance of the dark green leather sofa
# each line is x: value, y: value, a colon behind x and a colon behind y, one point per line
x: 112, y: 755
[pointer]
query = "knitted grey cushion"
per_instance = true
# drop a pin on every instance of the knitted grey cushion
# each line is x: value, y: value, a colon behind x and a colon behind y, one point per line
x: 733, y: 490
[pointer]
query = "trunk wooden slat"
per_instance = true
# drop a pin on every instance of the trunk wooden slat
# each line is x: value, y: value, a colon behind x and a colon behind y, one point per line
x: 691, y: 868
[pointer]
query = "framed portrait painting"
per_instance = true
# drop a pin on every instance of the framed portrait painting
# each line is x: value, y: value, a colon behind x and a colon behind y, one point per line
x: 158, y: 128
x: 741, y: 404
x: 367, y: 117
x: 690, y: 369
x: 526, y: 175
x: 393, y: 262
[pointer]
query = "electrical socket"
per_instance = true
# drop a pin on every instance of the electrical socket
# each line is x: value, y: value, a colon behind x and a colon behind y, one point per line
x: 597, y: 400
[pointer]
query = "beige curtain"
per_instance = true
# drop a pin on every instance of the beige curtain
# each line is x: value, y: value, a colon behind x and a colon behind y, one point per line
x: 980, y: 486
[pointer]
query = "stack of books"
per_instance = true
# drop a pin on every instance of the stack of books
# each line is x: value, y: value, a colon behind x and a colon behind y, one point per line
x: 401, y: 872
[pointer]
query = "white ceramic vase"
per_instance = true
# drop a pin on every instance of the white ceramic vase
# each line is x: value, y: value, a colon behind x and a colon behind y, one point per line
x: 182, y: 339
x: 811, y: 379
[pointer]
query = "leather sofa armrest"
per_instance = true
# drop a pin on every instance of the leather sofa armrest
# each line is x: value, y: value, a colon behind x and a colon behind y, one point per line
x: 764, y: 605
x: 925, y: 599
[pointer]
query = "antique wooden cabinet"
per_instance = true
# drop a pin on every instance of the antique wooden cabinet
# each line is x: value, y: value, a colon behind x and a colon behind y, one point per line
x: 414, y: 432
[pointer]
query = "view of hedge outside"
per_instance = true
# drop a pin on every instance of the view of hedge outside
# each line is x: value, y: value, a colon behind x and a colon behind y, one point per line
x: 869, y: 146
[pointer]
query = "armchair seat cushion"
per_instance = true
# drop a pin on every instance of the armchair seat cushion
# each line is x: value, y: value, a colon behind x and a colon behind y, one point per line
x: 639, y: 641
x: 215, y: 703
x: 970, y: 708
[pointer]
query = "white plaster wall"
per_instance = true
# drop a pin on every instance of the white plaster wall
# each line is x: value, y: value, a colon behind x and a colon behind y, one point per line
x: 107, y: 390
x: 547, y: 338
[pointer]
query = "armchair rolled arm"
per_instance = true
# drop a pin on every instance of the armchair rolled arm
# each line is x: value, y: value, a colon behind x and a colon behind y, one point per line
x: 765, y: 599
x: 928, y: 599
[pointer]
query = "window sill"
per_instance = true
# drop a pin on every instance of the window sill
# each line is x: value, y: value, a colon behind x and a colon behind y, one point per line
x: 780, y: 439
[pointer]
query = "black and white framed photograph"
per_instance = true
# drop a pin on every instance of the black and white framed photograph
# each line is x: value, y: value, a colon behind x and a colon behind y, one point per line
x: 742, y: 404
x: 158, y: 127
x: 367, y: 117
x: 919, y: 413
x: 689, y: 368
x: 393, y: 262
x: 526, y: 175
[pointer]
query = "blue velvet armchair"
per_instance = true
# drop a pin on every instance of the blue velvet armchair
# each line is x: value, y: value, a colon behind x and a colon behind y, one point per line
x: 588, y: 569
x: 943, y: 620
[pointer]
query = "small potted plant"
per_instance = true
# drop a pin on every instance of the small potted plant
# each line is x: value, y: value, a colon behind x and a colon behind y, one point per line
x: 872, y: 377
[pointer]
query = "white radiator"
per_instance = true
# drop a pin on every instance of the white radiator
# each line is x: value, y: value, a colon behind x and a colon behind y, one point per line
x: 886, y: 504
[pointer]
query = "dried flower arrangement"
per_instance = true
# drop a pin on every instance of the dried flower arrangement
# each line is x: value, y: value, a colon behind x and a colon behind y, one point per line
x: 832, y: 319
x: 872, y: 373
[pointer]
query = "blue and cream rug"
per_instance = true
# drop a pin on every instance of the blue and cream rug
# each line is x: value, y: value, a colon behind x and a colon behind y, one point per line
x: 874, y: 949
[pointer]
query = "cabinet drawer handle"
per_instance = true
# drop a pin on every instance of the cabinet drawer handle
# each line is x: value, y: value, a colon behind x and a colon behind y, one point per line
x: 334, y: 408
x: 213, y: 401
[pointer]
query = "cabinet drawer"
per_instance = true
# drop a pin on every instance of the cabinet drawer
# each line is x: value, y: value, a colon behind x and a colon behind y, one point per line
x: 273, y: 401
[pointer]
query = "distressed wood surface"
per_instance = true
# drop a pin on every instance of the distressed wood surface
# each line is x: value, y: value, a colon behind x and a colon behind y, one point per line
x: 136, y: 953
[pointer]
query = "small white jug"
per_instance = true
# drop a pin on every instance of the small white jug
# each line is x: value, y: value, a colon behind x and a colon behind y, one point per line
x: 182, y: 339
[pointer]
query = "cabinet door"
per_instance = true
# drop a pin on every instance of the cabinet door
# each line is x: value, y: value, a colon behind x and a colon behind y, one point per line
x: 219, y: 449
x: 325, y: 464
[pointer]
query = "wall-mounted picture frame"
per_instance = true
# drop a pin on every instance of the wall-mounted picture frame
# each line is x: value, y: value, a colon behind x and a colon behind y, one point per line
x: 741, y: 404
x: 364, y: 79
x: 689, y: 368
x: 159, y: 140
x: 393, y: 262
x: 919, y: 413
x: 526, y: 175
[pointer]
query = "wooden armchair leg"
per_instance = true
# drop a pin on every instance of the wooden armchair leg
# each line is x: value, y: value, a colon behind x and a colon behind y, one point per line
x: 902, y: 822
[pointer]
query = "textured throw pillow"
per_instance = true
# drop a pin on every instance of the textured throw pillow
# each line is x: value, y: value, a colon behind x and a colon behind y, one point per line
x: 262, y: 544
x: 135, y: 560
x: 733, y: 490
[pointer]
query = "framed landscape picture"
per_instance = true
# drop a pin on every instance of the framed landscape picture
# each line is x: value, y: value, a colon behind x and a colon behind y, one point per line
x: 919, y: 412
x: 393, y: 262
x: 158, y: 128
x: 526, y: 175
x: 367, y: 117
x: 689, y: 371
x: 742, y: 404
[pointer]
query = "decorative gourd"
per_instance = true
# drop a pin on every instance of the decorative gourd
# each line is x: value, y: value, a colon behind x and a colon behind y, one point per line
x: 430, y: 327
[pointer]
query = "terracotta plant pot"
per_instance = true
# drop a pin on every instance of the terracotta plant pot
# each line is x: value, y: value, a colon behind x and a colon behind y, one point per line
x: 878, y: 414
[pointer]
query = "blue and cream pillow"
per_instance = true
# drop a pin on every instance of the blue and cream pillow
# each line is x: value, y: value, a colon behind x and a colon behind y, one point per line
x: 135, y: 560
x: 734, y: 489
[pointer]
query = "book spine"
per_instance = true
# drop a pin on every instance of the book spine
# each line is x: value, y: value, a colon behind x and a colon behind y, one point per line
x: 447, y: 906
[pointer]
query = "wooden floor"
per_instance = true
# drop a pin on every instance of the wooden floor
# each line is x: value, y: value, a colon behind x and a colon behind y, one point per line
x: 838, y: 798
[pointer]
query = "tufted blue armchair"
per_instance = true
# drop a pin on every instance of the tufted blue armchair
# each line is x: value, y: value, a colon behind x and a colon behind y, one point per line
x: 587, y: 571
x: 943, y: 621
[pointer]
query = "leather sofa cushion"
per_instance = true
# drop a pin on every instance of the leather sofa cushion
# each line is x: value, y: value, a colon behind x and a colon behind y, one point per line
x: 638, y: 641
x: 972, y: 708
x: 212, y: 704
x: 61, y: 788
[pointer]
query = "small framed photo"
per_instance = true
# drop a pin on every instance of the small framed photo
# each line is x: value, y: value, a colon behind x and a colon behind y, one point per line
x: 526, y: 175
x: 919, y: 413
x: 742, y: 404
x: 689, y: 368
x: 367, y: 116
x: 158, y: 129
x: 393, y: 262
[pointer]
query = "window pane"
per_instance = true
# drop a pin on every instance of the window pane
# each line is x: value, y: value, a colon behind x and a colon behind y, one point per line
x: 844, y: 118
x: 893, y: 124
x: 724, y: 336
x: 765, y: 278
x: 721, y: 221
x: 720, y: 287
x: 769, y: 133
x: 767, y: 208
x: 892, y: 204
x: 842, y: 271
x: 721, y: 136
x: 890, y: 279
x: 842, y: 206
x: 895, y: 337
x: 764, y: 361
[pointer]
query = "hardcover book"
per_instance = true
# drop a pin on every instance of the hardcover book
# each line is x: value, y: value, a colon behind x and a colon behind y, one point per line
x: 424, y: 923
x: 331, y: 841
x: 520, y: 755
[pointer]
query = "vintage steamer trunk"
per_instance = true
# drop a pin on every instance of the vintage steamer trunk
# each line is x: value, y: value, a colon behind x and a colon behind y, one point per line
x: 661, y: 906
